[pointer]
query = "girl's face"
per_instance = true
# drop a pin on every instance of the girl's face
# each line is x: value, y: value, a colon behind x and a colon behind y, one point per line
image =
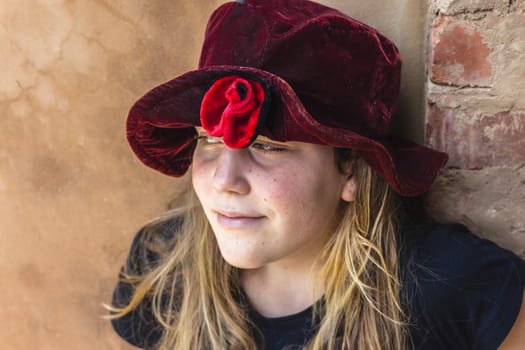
x: 270, y: 203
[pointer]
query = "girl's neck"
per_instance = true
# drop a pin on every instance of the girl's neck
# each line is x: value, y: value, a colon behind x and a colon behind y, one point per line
x: 276, y: 291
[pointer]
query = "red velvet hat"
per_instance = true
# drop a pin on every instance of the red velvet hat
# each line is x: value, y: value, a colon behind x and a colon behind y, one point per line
x: 291, y: 70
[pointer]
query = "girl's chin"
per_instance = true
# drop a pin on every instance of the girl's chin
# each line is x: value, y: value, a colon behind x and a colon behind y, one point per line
x: 243, y: 262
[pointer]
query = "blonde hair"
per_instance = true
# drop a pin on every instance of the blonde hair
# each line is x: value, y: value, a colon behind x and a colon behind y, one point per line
x: 196, y: 295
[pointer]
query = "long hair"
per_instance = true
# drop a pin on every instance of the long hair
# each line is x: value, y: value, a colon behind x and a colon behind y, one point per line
x: 196, y: 294
x: 360, y: 274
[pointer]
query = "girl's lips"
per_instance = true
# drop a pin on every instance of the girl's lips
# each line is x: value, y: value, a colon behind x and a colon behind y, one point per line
x: 234, y: 220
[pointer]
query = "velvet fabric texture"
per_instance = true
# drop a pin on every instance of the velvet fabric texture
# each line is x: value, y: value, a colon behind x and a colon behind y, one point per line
x: 329, y: 80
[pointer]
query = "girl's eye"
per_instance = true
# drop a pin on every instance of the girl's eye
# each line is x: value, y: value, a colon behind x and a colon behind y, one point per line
x: 208, y: 140
x: 267, y: 147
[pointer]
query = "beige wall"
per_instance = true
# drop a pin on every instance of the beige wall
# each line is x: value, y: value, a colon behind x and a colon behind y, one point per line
x: 71, y: 193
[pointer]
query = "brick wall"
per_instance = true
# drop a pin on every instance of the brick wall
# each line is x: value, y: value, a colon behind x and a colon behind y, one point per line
x: 476, y: 113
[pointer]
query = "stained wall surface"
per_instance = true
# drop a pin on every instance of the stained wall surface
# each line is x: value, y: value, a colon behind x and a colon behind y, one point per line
x: 71, y: 193
x: 476, y: 113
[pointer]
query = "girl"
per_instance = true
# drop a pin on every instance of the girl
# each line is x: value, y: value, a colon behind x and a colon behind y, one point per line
x: 294, y: 232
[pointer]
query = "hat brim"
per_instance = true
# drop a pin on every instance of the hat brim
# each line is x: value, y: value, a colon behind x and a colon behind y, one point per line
x: 161, y: 130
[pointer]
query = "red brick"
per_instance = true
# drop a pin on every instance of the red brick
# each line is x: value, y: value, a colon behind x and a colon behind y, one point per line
x: 477, y: 141
x: 460, y: 55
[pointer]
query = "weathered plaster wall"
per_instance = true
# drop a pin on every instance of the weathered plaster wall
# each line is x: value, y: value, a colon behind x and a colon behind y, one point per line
x: 476, y: 112
x: 71, y: 193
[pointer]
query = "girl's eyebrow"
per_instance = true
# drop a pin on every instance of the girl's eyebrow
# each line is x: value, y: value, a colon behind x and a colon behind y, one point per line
x: 201, y: 132
x: 262, y: 138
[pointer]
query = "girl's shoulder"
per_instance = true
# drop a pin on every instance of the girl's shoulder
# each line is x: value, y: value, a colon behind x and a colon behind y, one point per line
x: 455, y: 284
x: 140, y: 327
x: 454, y: 251
x: 148, y: 244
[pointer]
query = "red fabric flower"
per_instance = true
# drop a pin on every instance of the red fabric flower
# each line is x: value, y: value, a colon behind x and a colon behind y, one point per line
x: 232, y: 109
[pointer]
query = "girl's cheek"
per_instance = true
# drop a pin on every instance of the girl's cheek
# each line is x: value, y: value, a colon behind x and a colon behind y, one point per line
x: 198, y: 172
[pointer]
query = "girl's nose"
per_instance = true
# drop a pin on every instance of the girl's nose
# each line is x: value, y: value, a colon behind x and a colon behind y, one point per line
x: 229, y: 174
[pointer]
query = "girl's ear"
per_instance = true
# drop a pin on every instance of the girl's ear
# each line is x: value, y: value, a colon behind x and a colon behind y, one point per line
x: 349, y: 189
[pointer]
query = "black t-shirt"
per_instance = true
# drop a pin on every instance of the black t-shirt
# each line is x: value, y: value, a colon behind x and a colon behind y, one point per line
x: 461, y: 292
